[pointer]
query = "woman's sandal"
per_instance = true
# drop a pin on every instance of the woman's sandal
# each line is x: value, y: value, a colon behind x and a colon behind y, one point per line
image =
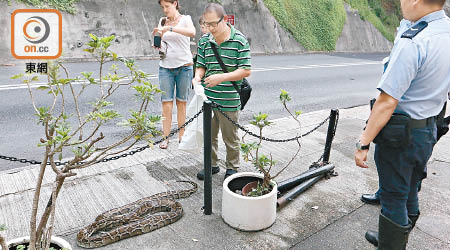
x: 164, y: 144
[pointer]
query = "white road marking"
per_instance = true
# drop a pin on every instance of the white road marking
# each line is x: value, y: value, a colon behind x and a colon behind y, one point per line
x: 313, y: 66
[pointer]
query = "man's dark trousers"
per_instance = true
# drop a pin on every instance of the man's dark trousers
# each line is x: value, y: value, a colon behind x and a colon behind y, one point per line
x: 400, y: 170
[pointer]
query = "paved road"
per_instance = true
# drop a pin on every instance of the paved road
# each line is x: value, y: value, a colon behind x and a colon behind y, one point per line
x: 315, y: 81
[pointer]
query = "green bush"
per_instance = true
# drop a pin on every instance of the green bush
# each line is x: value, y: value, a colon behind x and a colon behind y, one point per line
x: 385, y: 15
x: 316, y: 24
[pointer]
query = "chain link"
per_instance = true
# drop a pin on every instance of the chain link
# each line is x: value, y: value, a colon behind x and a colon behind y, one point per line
x: 215, y: 105
x: 316, y: 163
x: 132, y: 152
x: 175, y: 131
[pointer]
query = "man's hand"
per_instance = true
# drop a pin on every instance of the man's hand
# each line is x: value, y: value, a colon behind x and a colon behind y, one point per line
x: 361, y: 157
x: 214, y: 80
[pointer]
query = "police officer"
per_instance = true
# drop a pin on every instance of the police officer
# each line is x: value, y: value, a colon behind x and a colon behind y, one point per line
x: 413, y: 90
x: 404, y: 25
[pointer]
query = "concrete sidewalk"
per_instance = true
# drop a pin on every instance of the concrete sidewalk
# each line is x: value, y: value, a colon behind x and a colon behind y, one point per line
x: 338, y: 220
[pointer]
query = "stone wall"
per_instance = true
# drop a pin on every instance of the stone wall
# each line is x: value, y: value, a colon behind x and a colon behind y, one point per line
x: 132, y: 22
x: 360, y: 36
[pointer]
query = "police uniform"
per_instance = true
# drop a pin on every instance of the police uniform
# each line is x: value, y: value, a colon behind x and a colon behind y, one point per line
x: 403, y: 27
x: 418, y: 76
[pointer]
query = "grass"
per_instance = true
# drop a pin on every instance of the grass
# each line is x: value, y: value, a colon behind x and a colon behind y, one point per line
x: 316, y: 24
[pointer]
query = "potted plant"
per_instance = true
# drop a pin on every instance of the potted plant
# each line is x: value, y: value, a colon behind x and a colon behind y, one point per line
x: 255, y: 209
x: 21, y: 243
x: 75, y: 131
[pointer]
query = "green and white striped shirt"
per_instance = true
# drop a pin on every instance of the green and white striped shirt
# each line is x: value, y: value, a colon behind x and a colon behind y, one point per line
x: 235, y: 54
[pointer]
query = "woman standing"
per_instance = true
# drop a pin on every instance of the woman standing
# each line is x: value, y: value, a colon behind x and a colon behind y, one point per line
x: 175, y: 67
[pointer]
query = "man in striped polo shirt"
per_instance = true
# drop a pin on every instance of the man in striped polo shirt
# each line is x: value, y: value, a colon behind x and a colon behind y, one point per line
x: 234, y: 51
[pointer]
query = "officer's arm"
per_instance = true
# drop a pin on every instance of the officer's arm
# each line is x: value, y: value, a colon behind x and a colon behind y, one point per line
x: 380, y: 115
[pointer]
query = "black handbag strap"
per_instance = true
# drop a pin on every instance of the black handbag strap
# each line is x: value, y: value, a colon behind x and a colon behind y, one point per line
x: 441, y: 116
x: 222, y: 65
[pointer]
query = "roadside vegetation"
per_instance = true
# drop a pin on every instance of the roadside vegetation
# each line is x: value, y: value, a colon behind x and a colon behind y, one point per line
x: 317, y: 24
x: 385, y: 15
x: 62, y: 5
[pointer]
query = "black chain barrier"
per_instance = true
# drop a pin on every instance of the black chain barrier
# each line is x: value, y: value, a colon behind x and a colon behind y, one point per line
x: 175, y: 131
x: 132, y: 152
x: 215, y: 105
x: 328, y: 147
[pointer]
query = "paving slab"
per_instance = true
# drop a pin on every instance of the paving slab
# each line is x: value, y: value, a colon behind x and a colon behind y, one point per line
x: 329, y: 215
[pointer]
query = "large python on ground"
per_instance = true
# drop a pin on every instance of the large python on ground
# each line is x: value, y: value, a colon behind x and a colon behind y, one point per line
x: 134, y: 218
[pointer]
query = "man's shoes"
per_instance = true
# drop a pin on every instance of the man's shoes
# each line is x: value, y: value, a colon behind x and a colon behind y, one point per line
x: 229, y: 172
x: 370, y: 199
x: 372, y: 237
x: 201, y: 173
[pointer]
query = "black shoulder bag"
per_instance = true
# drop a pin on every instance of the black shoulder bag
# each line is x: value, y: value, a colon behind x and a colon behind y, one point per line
x: 245, y: 90
x: 442, y: 123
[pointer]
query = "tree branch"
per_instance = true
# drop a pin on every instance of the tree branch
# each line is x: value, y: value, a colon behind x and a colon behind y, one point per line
x: 52, y: 217
x: 37, y: 193
x: 293, y: 158
x: 3, y: 243
x: 32, y: 98
x: 46, y: 213
x: 75, y: 99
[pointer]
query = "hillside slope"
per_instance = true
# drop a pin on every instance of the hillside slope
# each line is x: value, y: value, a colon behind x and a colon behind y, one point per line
x: 132, y: 21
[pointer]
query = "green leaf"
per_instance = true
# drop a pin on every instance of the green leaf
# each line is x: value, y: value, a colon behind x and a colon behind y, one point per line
x: 284, y: 96
x: 43, y: 87
x: 17, y: 76
x: 93, y: 37
x: 60, y: 157
x: 20, y: 247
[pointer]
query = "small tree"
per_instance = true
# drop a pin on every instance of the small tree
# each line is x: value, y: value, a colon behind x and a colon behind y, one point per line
x: 2, y: 238
x: 67, y: 128
x: 262, y: 162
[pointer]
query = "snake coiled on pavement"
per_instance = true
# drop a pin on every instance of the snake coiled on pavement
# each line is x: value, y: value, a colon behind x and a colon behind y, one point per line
x: 134, y: 218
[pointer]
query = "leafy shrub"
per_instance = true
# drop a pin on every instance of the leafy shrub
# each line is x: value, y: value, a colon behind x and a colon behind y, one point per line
x: 316, y: 24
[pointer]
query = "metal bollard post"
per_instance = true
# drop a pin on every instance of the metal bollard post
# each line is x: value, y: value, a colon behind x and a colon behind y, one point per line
x: 282, y: 201
x: 207, y: 117
x: 290, y: 183
x: 330, y: 135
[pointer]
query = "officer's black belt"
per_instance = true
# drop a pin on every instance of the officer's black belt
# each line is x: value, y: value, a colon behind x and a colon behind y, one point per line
x: 422, y: 123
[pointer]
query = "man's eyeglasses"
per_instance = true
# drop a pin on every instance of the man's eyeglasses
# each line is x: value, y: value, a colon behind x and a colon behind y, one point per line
x: 212, y: 24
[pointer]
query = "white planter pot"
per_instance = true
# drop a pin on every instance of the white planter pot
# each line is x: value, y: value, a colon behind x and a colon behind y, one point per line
x: 55, y: 240
x: 247, y: 213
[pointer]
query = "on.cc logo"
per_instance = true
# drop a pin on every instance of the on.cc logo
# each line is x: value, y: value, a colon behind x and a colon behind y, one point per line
x: 36, y: 29
x: 36, y: 34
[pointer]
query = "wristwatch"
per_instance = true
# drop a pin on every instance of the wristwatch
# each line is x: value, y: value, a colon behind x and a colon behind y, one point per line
x: 359, y: 146
x: 171, y: 29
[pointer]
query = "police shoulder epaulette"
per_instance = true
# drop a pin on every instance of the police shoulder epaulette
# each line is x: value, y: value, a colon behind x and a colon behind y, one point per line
x: 414, y: 30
